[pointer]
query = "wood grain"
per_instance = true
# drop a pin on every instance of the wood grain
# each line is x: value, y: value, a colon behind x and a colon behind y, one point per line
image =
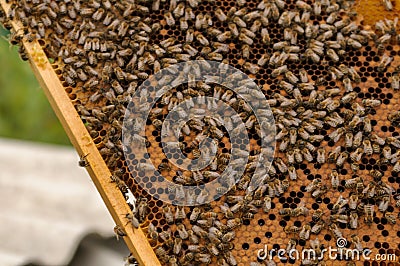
x: 83, y: 143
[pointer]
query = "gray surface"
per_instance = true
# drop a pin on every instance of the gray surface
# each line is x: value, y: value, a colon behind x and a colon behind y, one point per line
x: 47, y: 206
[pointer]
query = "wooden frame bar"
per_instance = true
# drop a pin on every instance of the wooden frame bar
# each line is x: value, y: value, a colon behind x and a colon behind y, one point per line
x: 83, y: 143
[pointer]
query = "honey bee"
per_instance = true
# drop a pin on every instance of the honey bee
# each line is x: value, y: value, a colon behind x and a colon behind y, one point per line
x: 90, y: 70
x: 317, y: 215
x: 393, y: 117
x: 390, y: 217
x: 83, y: 161
x: 227, y: 237
x: 353, y: 201
x: 335, y: 179
x: 354, y: 75
x: 169, y: 217
x: 130, y: 260
x: 303, y: 75
x: 238, y: 21
x: 199, y: 231
x: 281, y: 186
x: 152, y: 232
x: 387, y: 152
x: 332, y: 55
x: 195, y: 214
x: 376, y: 174
x: 133, y: 220
x: 371, y: 102
x: 279, y: 45
x: 169, y: 18
x: 233, y: 223
x: 282, y: 167
x: 300, y: 211
x: 320, y: 191
x: 230, y: 259
x: 313, y: 56
x: 200, y: 21
x: 353, y: 220
x: 246, y: 39
x: 292, y: 229
x: 203, y: 258
x: 265, y: 38
x: 341, y: 218
x: 291, y: 245
x: 347, y: 85
x: 367, y: 125
x: 291, y: 77
x: 335, y: 230
x: 181, y: 229
x: 360, y: 186
x: 321, y: 155
x: 356, y: 155
x: 395, y: 83
x: 307, y: 154
x: 173, y: 261
x: 317, y: 228
x: 279, y: 71
x: 196, y: 248
x: 369, y: 213
x: 267, y: 205
x: 288, y: 87
x: 336, y: 73
x: 388, y: 5
x: 142, y: 209
x: 285, y: 18
x: 160, y: 252
x: 188, y: 257
x: 393, y: 141
x: 357, y: 139
x: 313, y: 185
x: 177, y: 245
x: 357, y: 243
x: 348, y: 140
x: 166, y: 237
x: 180, y: 213
x: 340, y: 203
x: 341, y: 159
x: 384, y: 204
x: 221, y: 16
x: 384, y: 63
x: 286, y: 212
x: 396, y: 167
x: 119, y: 232
x: 292, y: 172
x: 354, y: 43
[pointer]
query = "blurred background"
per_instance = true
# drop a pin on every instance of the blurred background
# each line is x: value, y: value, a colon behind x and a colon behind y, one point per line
x: 42, y: 218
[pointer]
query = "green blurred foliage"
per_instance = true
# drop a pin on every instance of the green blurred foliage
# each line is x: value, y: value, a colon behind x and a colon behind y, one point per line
x: 25, y: 112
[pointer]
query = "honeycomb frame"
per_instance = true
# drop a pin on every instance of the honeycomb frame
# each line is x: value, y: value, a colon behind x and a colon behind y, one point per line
x: 81, y: 139
x: 83, y: 143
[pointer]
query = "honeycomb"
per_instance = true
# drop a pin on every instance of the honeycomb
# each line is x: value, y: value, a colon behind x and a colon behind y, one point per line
x: 373, y: 11
x: 103, y: 50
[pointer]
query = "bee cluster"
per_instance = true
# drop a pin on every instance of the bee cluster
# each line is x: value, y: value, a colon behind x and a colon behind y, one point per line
x: 331, y: 82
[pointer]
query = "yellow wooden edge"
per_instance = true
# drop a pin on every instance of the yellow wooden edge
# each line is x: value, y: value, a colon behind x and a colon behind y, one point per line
x: 82, y: 141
